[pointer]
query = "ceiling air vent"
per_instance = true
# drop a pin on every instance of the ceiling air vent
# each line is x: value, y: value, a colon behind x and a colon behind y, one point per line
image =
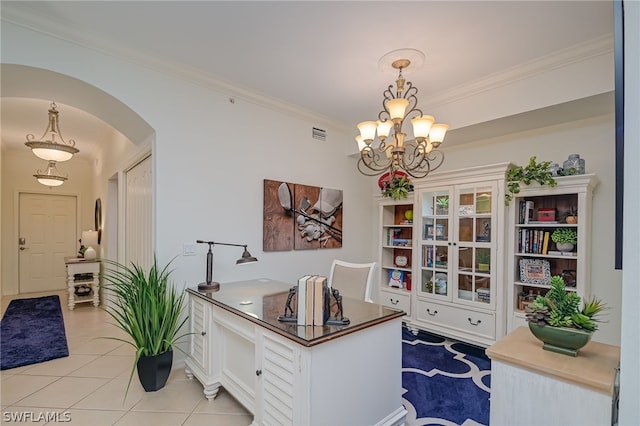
x: 319, y: 134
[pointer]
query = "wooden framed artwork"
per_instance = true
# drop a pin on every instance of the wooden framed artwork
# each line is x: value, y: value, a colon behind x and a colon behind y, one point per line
x: 301, y: 217
x: 535, y: 271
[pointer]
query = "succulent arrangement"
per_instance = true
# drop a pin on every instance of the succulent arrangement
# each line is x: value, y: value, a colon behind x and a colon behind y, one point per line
x: 534, y: 171
x: 564, y: 236
x: 559, y: 308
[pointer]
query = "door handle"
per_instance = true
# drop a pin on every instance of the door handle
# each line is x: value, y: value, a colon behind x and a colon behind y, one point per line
x: 23, y: 248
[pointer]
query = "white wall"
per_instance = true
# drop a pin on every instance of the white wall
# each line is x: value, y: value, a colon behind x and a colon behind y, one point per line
x: 210, y: 158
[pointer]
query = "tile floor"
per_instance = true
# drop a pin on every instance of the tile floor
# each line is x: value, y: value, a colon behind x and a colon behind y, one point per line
x: 87, y: 388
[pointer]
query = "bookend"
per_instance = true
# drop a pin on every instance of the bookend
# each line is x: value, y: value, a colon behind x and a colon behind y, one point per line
x: 337, y: 319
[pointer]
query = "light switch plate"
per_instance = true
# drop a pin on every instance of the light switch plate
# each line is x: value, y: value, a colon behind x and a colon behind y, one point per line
x: 189, y: 249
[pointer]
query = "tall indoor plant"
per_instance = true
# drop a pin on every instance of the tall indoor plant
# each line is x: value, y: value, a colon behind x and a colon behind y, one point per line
x: 147, y: 307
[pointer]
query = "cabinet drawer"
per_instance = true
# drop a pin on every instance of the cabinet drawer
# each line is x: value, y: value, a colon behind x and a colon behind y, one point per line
x: 396, y: 301
x: 482, y: 324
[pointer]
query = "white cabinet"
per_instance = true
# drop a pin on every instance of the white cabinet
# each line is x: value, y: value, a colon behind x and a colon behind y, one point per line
x: 458, y: 267
x: 396, y: 253
x: 531, y: 261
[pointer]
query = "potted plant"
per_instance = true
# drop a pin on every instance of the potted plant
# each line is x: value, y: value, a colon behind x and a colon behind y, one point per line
x: 534, y: 171
x: 557, y: 320
x: 147, y: 307
x: 565, y: 238
x: 442, y: 205
x: 398, y: 187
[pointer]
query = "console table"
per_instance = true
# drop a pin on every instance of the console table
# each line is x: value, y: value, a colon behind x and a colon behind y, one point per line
x: 296, y: 375
x: 85, y: 272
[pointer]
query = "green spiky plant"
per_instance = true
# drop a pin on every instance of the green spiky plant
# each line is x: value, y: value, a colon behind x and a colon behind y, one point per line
x: 146, y: 306
x: 559, y: 308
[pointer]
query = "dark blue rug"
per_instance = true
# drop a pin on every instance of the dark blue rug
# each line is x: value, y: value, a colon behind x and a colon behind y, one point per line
x: 444, y: 382
x: 32, y: 331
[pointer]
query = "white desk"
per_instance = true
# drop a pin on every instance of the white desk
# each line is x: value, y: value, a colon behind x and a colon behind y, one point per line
x: 287, y: 374
x: 78, y: 265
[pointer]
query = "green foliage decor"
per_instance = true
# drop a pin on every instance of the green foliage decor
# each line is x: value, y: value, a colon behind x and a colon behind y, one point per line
x: 534, y: 171
x: 146, y: 306
x: 397, y: 188
x: 564, y: 236
x: 559, y: 308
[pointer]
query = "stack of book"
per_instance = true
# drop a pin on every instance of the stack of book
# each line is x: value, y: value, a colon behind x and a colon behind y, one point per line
x: 311, y: 293
x: 534, y: 241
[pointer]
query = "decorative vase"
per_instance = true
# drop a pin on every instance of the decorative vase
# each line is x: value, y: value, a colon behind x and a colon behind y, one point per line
x: 153, y: 370
x: 90, y: 253
x: 572, y: 220
x: 564, y: 246
x: 562, y: 340
x: 574, y: 162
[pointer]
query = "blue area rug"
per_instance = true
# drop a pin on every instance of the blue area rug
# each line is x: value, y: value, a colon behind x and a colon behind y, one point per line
x: 444, y: 382
x: 32, y: 331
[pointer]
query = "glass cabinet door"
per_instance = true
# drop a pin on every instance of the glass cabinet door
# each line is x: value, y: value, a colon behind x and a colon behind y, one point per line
x: 474, y: 234
x: 435, y: 256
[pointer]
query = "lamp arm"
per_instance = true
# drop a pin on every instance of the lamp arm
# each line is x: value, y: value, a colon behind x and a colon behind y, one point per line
x: 220, y: 244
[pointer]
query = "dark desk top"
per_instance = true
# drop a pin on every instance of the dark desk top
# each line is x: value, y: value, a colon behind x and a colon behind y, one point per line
x: 262, y: 300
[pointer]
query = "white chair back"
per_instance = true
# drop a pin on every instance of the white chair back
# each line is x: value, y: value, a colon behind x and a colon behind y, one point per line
x: 352, y: 279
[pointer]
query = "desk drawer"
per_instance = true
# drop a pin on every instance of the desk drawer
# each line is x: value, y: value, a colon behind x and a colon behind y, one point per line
x: 482, y: 324
x: 396, y: 300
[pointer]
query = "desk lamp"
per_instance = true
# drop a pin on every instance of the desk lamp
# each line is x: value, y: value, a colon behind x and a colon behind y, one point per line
x: 211, y: 285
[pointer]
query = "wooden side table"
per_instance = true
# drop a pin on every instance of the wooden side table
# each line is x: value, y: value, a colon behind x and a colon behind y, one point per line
x: 82, y: 272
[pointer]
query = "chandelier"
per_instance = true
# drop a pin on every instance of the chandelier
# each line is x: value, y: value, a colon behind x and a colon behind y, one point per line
x: 51, y: 176
x: 417, y: 157
x: 51, y: 146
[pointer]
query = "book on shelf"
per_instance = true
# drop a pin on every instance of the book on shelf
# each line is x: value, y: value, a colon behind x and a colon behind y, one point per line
x: 528, y: 211
x: 545, y: 242
x: 302, y: 300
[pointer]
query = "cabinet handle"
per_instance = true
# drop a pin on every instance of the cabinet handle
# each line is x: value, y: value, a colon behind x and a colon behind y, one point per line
x: 472, y: 323
x: 432, y: 314
x: 204, y: 333
x: 394, y: 302
x: 258, y: 372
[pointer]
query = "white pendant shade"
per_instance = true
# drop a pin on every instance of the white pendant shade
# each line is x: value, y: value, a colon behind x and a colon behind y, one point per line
x: 437, y: 132
x: 422, y: 125
x: 51, y: 151
x: 50, y: 182
x: 368, y: 130
x: 384, y: 127
x: 397, y: 108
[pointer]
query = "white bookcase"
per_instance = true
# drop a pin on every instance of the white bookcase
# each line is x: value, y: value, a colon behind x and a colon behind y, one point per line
x: 529, y: 262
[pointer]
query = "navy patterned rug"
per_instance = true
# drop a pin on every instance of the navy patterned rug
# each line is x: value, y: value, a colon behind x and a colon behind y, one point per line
x: 444, y: 382
x: 32, y: 331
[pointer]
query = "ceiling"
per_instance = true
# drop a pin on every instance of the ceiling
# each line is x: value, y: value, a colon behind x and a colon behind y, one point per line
x: 319, y: 56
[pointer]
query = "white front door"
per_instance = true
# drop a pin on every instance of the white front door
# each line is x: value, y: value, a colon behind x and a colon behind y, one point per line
x: 47, y: 234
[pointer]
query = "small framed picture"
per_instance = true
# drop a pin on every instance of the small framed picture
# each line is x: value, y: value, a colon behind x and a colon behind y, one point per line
x: 535, y: 271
